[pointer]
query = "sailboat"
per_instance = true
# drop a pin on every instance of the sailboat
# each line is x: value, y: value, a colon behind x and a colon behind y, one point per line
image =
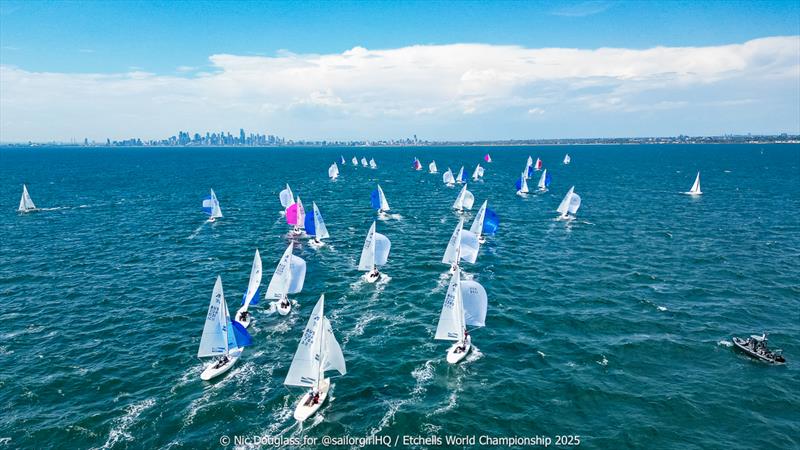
x: 522, y: 186
x: 695, y: 190
x: 464, y: 200
x: 487, y: 158
x: 463, y: 245
x: 465, y: 304
x: 544, y: 181
x: 477, y: 223
x: 315, y: 226
x: 372, y: 164
x: 478, y: 173
x: 375, y: 253
x: 447, y: 178
x: 25, y: 202
x: 295, y: 216
x: 461, y: 177
x: 528, y: 167
x: 538, y: 165
x: 433, y: 169
x: 567, y: 159
x: 211, y: 207
x: 222, y: 338
x: 288, y: 278
x: 364, y: 162
x: 354, y: 161
x: 333, y: 171
x: 341, y: 160
x: 251, y: 295
x: 569, y: 205
x: 317, y: 353
x: 379, y: 202
x: 416, y: 164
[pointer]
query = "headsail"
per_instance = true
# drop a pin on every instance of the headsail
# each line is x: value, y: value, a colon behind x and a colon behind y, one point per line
x: 574, y: 203
x: 297, y: 274
x: 544, y: 181
x: 375, y: 251
x: 475, y: 303
x: 25, y: 202
x: 478, y: 173
x: 469, y: 246
x: 251, y: 295
x: 281, y: 278
x: 372, y: 163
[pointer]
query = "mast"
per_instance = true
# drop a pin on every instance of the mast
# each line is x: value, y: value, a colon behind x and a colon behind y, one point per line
x: 321, y: 330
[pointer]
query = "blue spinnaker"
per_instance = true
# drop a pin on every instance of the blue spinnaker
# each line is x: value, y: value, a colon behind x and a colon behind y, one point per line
x: 490, y: 222
x: 547, y: 179
x: 376, y: 199
x: 309, y: 224
x: 254, y: 301
x: 518, y: 184
x: 243, y: 338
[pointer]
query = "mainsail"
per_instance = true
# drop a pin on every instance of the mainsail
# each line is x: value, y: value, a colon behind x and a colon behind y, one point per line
x: 464, y: 200
x: 567, y: 159
x: 477, y: 223
x: 220, y: 334
x: 563, y: 207
x: 211, y: 206
x: 378, y: 200
x: 251, y: 295
x: 372, y: 163
x: 447, y: 177
x: 696, y: 186
x: 288, y: 277
x: 25, y: 202
x: 454, y: 245
x: 544, y: 181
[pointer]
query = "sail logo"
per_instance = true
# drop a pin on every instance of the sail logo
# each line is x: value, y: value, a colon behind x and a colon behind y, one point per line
x: 212, y: 313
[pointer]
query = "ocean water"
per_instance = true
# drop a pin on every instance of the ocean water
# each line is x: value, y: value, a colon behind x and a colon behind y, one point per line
x: 615, y: 327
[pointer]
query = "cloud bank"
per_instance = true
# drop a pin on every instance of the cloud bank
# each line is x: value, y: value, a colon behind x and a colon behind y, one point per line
x: 458, y: 91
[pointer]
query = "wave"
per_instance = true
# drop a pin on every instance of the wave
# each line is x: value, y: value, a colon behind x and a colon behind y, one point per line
x: 123, y: 424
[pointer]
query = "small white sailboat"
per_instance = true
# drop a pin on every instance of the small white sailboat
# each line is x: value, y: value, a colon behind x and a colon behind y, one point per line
x: 342, y: 161
x: 250, y: 297
x: 544, y: 181
x: 354, y: 161
x: 333, y: 171
x: 364, y: 162
x: 433, y: 169
x: 25, y: 202
x: 372, y: 164
x: 477, y: 223
x: 289, y: 276
x: 315, y: 227
x: 317, y: 353
x: 378, y: 200
x: 477, y: 173
x: 375, y: 253
x: 447, y: 178
x: 522, y: 186
x: 461, y: 178
x: 569, y: 205
x: 222, y: 338
x: 695, y: 190
x: 567, y: 159
x: 211, y: 207
x: 465, y: 304
x: 464, y: 200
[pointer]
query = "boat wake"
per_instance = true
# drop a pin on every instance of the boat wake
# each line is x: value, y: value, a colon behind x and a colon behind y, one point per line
x: 123, y: 424
x: 725, y: 343
x: 197, y: 230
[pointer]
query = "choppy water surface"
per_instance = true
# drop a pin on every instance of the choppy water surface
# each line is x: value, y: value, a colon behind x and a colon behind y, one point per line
x: 615, y: 327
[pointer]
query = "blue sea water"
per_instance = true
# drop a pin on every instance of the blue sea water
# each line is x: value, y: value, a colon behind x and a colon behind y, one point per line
x: 615, y: 327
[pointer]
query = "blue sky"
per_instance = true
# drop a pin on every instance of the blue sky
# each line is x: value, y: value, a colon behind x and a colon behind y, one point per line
x: 175, y: 44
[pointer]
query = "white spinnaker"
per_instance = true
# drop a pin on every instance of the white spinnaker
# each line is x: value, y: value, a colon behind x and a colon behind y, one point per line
x: 287, y: 197
x: 447, y: 177
x: 305, y: 369
x: 468, y: 200
x: 696, y: 186
x: 432, y: 167
x: 216, y: 212
x: 333, y: 171
x: 372, y: 163
x: 332, y: 356
x: 574, y: 203
x: 563, y: 207
x: 541, y: 180
x: 281, y: 278
x: 25, y: 202
x: 297, y: 274
x: 215, y: 331
x: 367, y: 260
x: 475, y: 303
x: 384, y: 203
x: 382, y: 247
x: 301, y: 214
x: 469, y: 246
x: 320, y: 230
x: 477, y: 224
x: 451, y: 319
x: 255, y: 280
x: 453, y: 246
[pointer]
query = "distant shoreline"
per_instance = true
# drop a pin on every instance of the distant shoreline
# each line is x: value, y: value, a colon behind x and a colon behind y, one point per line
x: 437, y: 144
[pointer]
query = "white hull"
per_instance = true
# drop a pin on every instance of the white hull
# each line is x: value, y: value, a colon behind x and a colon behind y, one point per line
x: 303, y: 411
x: 522, y: 194
x: 566, y: 218
x: 245, y: 322
x: 211, y: 372
x: 694, y: 193
x: 371, y: 279
x: 284, y: 310
x: 455, y: 358
x: 316, y: 244
x: 482, y: 240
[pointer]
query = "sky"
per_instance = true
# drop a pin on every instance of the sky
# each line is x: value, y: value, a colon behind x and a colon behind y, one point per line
x: 470, y: 70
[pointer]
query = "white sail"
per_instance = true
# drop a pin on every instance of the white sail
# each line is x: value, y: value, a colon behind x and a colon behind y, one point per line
x: 384, y: 203
x: 567, y: 159
x: 297, y: 274
x: 281, y: 278
x: 451, y: 319
x: 320, y: 230
x: 474, y: 302
x: 460, y: 176
x: 574, y: 203
x: 453, y: 246
x: 478, y: 173
x: 563, y: 207
x: 215, y: 332
x: 332, y: 356
x: 255, y: 280
x: 469, y: 246
x: 301, y: 214
x: 382, y: 247
x: 523, y: 184
x: 333, y: 171
x: 542, y: 187
x: 287, y: 197
x: 367, y: 260
x: 354, y: 161
x: 477, y: 224
x: 372, y: 163
x: 25, y: 202
x: 447, y: 177
x: 432, y: 167
x: 465, y: 199
x: 529, y: 162
x: 305, y: 369
x: 696, y: 186
x: 216, y: 212
x: 364, y: 161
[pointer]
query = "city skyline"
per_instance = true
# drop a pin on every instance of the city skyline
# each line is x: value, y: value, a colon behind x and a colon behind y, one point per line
x: 580, y: 72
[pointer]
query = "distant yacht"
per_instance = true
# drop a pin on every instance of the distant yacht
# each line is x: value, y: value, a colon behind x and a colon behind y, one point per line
x: 354, y: 161
x: 567, y: 159
x: 364, y: 162
x: 544, y: 181
x: 211, y: 207
x: 25, y: 202
x: 416, y: 164
x: 695, y: 190
x: 378, y: 200
x: 372, y: 164
x: 569, y: 205
x: 477, y: 173
x: 487, y: 158
x: 461, y: 177
x: 432, y: 168
x: 333, y: 171
x: 522, y: 185
x: 447, y: 178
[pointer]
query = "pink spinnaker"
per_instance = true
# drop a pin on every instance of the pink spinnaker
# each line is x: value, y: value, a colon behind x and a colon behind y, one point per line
x: 291, y: 214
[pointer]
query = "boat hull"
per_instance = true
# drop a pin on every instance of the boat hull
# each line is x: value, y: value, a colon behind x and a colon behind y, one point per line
x: 371, y: 279
x: 284, y: 310
x: 210, y: 372
x: 741, y: 345
x: 455, y: 358
x: 245, y: 322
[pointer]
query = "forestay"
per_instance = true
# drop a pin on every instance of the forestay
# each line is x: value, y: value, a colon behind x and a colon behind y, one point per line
x: 454, y: 245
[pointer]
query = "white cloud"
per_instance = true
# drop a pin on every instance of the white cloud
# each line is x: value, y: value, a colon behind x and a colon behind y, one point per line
x: 437, y: 90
